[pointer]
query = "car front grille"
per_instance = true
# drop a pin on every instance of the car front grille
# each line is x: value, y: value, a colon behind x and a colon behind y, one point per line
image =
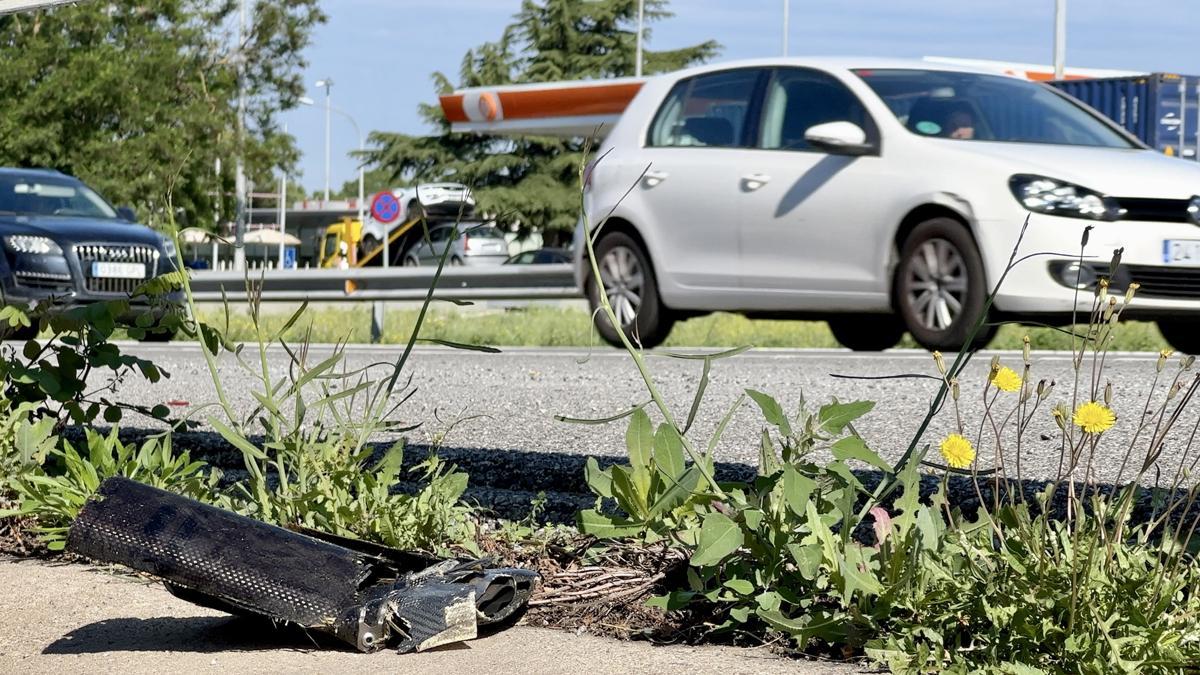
x: 115, y: 253
x: 43, y: 280
x: 1157, y: 210
x: 1165, y: 282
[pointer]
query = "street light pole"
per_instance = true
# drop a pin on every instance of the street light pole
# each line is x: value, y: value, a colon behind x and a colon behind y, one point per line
x: 637, y: 66
x: 304, y: 100
x: 239, y: 179
x: 786, y: 7
x: 328, y: 84
x: 1060, y: 38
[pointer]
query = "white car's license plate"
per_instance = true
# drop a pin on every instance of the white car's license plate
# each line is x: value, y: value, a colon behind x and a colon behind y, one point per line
x: 1181, y: 251
x: 119, y: 270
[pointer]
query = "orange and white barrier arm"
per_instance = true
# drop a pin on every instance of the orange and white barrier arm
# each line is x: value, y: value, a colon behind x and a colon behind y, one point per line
x: 564, y: 109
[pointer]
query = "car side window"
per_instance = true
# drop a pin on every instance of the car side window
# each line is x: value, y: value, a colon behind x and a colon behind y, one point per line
x: 440, y: 234
x: 798, y: 99
x: 707, y: 110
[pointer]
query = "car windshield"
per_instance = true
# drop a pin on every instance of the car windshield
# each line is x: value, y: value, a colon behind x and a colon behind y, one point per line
x: 977, y: 107
x: 49, y: 196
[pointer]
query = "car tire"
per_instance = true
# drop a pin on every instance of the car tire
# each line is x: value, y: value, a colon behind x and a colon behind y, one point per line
x: 20, y: 333
x: 940, y: 287
x: 1182, y: 333
x: 415, y: 210
x: 368, y: 244
x: 159, y: 335
x: 456, y: 262
x: 867, y: 333
x: 410, y: 261
x: 632, y: 290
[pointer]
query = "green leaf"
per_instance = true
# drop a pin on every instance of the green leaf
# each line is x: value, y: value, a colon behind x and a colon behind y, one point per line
x: 461, y: 345
x: 740, y: 586
x: 835, y: 416
x: 668, y: 452
x: 719, y: 537
x: 639, y: 439
x: 853, y: 447
x: 677, y: 493
x: 797, y: 490
x: 599, y: 525
x: 599, y: 480
x: 672, y: 601
x: 772, y: 411
x: 248, y: 449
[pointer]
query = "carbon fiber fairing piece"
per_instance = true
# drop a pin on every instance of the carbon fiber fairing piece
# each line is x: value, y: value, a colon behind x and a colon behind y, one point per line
x: 367, y: 595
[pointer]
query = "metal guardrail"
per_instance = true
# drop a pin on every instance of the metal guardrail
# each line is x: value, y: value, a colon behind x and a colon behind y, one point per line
x: 500, y: 282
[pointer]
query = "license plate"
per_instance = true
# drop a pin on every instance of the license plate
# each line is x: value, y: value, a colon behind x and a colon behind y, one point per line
x: 119, y: 270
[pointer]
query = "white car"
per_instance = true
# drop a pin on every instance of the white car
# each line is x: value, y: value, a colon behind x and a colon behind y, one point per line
x: 881, y: 196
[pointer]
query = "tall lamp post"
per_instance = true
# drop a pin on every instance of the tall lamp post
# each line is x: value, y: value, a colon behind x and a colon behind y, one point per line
x: 1060, y: 38
x: 304, y: 100
x: 328, y: 84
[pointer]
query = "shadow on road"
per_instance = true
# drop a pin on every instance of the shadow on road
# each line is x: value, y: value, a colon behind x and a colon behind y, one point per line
x: 202, y: 634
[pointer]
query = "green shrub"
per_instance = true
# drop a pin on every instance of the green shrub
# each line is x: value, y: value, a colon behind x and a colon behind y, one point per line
x: 55, y: 489
x: 1062, y: 581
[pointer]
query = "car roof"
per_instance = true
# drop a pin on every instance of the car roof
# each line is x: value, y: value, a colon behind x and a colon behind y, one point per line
x: 18, y: 171
x: 834, y: 63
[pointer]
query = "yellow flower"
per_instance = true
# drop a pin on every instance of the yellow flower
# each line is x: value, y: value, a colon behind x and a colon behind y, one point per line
x: 1094, y: 418
x: 1165, y: 353
x: 1005, y: 379
x: 957, y: 451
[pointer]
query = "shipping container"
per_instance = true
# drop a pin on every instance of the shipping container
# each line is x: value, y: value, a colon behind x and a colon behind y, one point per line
x: 1161, y: 109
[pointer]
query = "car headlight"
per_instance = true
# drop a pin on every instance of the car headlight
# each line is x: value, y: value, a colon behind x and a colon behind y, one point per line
x: 1060, y: 198
x: 168, y: 244
x: 26, y: 243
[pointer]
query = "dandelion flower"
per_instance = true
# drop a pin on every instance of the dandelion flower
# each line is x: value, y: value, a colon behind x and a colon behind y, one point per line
x: 1094, y: 418
x: 1006, y: 379
x: 1165, y: 353
x: 957, y: 451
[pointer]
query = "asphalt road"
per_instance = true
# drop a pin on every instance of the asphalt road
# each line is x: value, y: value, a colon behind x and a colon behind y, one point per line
x: 506, y: 403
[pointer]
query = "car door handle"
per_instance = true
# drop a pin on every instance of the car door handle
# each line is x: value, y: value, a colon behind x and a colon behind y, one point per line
x: 754, y: 181
x: 652, y: 178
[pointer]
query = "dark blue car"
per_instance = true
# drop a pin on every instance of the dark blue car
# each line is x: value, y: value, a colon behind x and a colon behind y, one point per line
x: 60, y: 239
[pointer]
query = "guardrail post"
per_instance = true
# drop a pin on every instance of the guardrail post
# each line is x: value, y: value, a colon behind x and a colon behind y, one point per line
x: 377, y: 321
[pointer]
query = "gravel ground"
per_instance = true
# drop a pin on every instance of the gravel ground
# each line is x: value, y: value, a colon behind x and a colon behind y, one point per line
x: 507, y: 402
x: 74, y: 619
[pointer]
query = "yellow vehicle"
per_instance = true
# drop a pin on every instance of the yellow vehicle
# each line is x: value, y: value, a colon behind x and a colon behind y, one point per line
x: 339, y: 246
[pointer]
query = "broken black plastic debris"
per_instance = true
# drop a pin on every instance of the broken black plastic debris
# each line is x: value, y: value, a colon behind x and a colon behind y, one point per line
x: 368, y: 595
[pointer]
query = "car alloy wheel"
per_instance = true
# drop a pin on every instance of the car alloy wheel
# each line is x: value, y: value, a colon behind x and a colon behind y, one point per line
x: 624, y: 283
x: 937, y: 284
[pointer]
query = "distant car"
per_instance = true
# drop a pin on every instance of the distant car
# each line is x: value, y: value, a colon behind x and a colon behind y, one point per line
x: 882, y: 196
x: 59, y: 238
x: 541, y: 256
x: 478, y: 243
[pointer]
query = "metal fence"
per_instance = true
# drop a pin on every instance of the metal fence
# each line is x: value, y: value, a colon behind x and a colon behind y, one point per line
x: 377, y: 285
x: 501, y: 282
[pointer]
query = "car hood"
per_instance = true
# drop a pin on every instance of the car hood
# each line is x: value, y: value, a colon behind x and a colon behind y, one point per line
x: 1112, y: 171
x: 80, y: 230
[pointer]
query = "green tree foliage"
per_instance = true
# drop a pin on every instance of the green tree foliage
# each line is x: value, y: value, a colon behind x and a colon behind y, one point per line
x: 528, y: 180
x: 139, y: 98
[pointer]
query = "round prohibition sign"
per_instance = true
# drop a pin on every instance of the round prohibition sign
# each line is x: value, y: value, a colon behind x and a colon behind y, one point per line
x: 385, y: 208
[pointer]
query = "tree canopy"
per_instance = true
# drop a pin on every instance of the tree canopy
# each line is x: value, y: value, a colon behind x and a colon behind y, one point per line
x: 139, y: 98
x: 531, y: 181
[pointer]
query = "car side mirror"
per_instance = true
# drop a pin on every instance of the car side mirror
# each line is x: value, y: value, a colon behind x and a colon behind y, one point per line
x: 127, y: 213
x: 839, y: 138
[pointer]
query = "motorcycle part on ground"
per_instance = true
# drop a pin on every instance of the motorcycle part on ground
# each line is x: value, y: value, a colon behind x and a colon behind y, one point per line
x: 367, y: 595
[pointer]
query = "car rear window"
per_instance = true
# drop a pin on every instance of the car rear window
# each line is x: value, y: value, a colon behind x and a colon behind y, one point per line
x: 706, y: 110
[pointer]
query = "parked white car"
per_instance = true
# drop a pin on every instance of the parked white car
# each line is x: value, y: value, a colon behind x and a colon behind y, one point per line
x: 881, y: 196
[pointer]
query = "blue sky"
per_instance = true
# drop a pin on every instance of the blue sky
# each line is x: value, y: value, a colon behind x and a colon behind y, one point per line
x: 380, y: 53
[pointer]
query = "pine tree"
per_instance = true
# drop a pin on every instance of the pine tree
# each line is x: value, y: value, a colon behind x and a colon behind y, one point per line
x: 530, y: 180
